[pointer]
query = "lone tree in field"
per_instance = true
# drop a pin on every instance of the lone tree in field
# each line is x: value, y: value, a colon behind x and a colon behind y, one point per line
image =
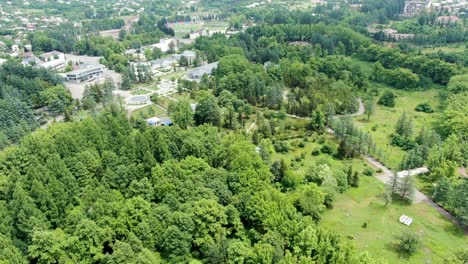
x: 391, y: 187
x: 318, y: 121
x: 388, y: 195
x: 407, y: 188
x: 404, y: 126
x: 369, y: 107
x: 355, y: 179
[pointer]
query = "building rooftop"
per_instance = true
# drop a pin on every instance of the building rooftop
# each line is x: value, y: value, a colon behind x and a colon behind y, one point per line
x: 85, y: 67
x: 50, y: 54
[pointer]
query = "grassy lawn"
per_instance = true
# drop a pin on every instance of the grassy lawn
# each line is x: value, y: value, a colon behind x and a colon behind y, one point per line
x: 174, y: 75
x: 181, y: 29
x: 184, y: 96
x: 385, y: 119
x: 440, y: 237
x: 448, y: 48
x: 216, y: 25
x: 164, y: 102
x: 148, y: 111
x: 139, y: 92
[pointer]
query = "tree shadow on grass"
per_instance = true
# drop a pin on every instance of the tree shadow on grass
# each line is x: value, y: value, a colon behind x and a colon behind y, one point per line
x: 397, y: 200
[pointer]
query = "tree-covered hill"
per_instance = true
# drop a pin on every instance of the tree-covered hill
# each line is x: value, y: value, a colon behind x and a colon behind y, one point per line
x: 98, y: 191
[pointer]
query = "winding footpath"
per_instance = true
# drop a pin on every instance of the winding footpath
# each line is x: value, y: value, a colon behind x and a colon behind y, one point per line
x: 386, y: 174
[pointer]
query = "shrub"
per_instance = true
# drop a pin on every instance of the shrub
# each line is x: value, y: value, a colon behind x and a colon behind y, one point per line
x: 301, y: 144
x: 424, y: 107
x: 327, y: 149
x: 315, y: 152
x: 368, y: 172
x: 408, y: 243
x: 281, y: 146
x: 399, y: 141
x: 321, y: 140
x: 387, y: 99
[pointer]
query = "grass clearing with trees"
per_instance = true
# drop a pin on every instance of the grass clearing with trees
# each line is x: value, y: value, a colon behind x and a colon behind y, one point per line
x: 148, y: 111
x: 300, y: 154
x: 439, y: 237
x: 384, y: 120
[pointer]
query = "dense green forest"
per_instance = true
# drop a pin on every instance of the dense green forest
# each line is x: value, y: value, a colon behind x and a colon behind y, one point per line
x: 284, y: 134
x: 98, y: 190
x: 24, y: 90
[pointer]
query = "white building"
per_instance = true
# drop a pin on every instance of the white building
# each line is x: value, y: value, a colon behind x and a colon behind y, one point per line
x: 163, y: 45
x: 85, y: 72
x: 197, y: 74
x: 188, y: 54
x: 53, y: 60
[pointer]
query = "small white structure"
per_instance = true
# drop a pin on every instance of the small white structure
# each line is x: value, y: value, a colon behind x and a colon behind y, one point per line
x: 406, y: 220
x: 154, y: 121
x: 14, y: 48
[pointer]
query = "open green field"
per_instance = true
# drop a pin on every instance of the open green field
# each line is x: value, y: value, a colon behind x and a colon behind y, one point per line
x: 183, y: 96
x: 440, y: 238
x: 448, y: 48
x: 385, y: 119
x: 295, y: 4
x: 216, y: 25
x: 186, y: 27
x: 182, y: 29
x: 164, y: 102
x: 148, y: 111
